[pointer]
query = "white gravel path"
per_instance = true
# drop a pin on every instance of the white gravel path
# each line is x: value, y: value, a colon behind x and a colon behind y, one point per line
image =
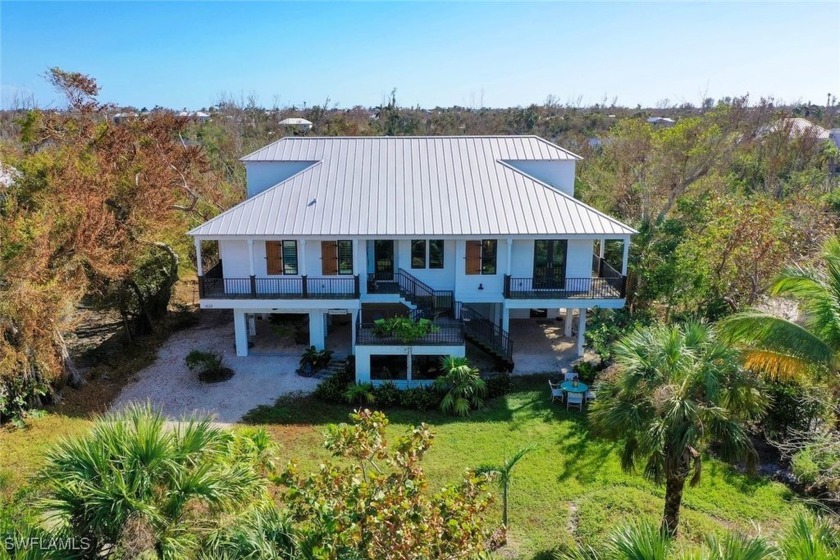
x: 175, y: 390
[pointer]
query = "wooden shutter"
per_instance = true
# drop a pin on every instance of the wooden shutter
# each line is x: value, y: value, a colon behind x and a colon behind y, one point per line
x: 329, y: 258
x: 274, y: 257
x: 473, y: 257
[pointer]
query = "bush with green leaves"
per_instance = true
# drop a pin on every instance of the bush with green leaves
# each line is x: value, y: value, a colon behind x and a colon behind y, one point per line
x: 462, y: 385
x: 333, y: 388
x: 794, y: 407
x: 360, y: 393
x: 420, y: 398
x: 386, y: 395
x: 606, y: 326
x: 315, y: 359
x: 373, y: 501
x: 209, y: 366
x: 498, y: 384
x: 135, y: 486
x: 19, y: 396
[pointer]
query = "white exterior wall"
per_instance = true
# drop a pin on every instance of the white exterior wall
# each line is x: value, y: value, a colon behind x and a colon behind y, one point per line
x: 264, y: 174
x: 558, y: 174
x: 363, y: 354
x: 579, y: 258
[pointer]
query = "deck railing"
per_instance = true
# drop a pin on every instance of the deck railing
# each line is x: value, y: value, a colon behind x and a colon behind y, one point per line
x: 293, y: 287
x: 568, y: 288
x: 443, y: 335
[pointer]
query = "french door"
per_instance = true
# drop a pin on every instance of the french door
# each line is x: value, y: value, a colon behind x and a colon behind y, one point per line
x: 550, y: 264
x: 383, y: 256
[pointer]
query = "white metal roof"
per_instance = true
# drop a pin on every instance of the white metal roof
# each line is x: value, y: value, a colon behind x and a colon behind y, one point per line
x: 407, y: 186
x: 295, y: 121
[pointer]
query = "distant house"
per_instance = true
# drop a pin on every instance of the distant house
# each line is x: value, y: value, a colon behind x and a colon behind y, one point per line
x: 472, y: 233
x: 199, y: 116
x: 8, y: 175
x: 834, y: 136
x: 122, y: 117
x: 302, y: 125
x: 664, y: 122
x: 797, y: 127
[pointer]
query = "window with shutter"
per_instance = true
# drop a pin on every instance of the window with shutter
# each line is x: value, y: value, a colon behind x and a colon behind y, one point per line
x: 274, y: 257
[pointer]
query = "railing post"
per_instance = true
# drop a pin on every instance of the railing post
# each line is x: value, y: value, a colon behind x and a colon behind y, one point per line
x: 201, y: 286
x: 253, y: 286
x: 507, y: 286
x: 356, y: 286
x: 304, y: 287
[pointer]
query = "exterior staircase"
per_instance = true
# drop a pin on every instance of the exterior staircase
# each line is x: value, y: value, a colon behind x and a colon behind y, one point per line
x: 437, y: 304
x: 336, y: 366
x: 486, y: 334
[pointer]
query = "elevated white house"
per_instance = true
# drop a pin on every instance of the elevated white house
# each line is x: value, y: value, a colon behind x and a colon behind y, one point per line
x: 467, y: 231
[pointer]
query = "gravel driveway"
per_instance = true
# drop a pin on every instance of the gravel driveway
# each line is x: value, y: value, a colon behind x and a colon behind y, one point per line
x: 175, y: 390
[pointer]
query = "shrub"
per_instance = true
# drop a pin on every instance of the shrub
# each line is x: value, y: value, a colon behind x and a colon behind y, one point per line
x: 333, y: 388
x: 793, y: 407
x: 606, y: 326
x: 498, y: 384
x: 18, y: 395
x: 387, y: 395
x: 209, y: 366
x: 586, y: 372
x: 420, y: 398
x: 315, y: 359
x: 360, y: 393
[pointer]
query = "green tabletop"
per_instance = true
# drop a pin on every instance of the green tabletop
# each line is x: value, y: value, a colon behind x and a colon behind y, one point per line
x: 570, y: 388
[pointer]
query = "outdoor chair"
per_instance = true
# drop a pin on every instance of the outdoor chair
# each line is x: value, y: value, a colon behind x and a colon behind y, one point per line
x: 568, y: 375
x: 574, y: 399
x: 590, y: 395
x: 556, y: 391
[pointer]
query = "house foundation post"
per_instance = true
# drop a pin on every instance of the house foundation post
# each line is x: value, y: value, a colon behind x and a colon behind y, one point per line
x: 580, y: 331
x: 317, y: 329
x: 240, y: 331
x: 505, y: 318
x: 567, y: 322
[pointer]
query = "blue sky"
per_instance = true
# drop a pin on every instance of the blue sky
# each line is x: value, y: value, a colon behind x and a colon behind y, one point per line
x: 186, y: 54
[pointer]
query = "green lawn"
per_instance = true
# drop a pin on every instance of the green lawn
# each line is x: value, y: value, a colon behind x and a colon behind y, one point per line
x: 572, y: 488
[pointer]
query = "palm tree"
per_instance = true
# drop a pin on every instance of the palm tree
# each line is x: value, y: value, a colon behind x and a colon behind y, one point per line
x: 136, y: 485
x: 504, y: 473
x: 809, y: 538
x: 678, y: 391
x: 781, y: 347
x: 463, y: 385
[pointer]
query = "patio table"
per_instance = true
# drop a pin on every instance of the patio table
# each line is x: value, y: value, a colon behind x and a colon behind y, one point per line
x: 570, y: 388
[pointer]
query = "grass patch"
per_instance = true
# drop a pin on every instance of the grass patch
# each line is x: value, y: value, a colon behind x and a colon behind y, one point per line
x: 570, y: 490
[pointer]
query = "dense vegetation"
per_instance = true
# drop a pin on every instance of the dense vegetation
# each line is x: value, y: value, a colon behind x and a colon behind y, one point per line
x: 737, y: 211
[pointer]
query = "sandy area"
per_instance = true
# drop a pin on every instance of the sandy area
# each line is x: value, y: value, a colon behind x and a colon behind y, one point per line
x: 173, y: 388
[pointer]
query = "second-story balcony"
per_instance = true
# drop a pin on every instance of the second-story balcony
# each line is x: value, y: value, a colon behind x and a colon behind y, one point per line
x: 605, y: 283
x: 298, y: 287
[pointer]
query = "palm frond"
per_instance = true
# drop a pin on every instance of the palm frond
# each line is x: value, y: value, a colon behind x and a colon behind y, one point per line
x: 773, y: 344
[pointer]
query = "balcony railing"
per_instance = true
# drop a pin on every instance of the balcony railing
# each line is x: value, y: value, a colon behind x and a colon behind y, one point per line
x: 444, y: 335
x: 295, y: 287
x: 568, y: 288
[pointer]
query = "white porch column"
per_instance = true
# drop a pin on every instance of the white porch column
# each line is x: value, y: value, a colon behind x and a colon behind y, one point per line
x: 240, y: 331
x: 251, y: 266
x: 505, y: 318
x: 302, y: 258
x: 509, y: 255
x: 581, y: 330
x: 567, y: 322
x: 601, y: 247
x: 625, y: 257
x: 317, y: 329
x: 199, y: 266
x: 354, y: 320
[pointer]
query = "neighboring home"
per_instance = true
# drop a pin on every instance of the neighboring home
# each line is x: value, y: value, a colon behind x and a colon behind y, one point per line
x: 663, y: 122
x: 466, y: 231
x: 8, y: 175
x: 122, y: 117
x: 797, y: 127
x: 198, y: 116
x: 834, y: 136
x: 301, y: 125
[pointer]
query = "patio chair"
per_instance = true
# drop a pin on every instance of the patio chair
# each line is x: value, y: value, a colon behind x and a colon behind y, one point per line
x: 590, y: 395
x: 556, y: 392
x: 568, y: 375
x: 574, y: 399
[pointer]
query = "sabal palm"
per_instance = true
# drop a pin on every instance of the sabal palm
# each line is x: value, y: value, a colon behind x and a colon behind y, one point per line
x: 504, y: 474
x: 463, y: 384
x: 134, y: 475
x: 809, y: 538
x: 781, y: 347
x: 678, y: 390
